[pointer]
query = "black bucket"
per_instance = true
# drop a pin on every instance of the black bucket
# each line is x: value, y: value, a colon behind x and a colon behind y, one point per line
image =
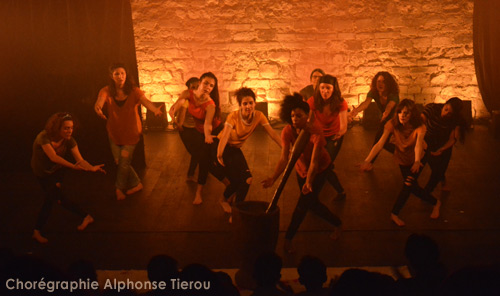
x: 255, y: 232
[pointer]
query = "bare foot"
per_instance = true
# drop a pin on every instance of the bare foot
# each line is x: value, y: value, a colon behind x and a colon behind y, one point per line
x: 86, y: 221
x: 369, y: 167
x: 119, y: 194
x: 191, y: 179
x: 137, y: 188
x: 226, y: 207
x: 230, y: 219
x: 38, y: 237
x: 287, y: 247
x: 336, y: 233
x: 435, y: 210
x: 396, y: 220
x: 197, y: 199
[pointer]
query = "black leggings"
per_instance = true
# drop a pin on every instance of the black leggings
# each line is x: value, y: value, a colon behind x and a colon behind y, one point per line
x: 333, y: 149
x: 237, y: 172
x: 410, y: 185
x: 201, y: 151
x: 188, y: 136
x: 311, y: 202
x: 53, y: 193
x: 439, y: 165
x: 387, y: 145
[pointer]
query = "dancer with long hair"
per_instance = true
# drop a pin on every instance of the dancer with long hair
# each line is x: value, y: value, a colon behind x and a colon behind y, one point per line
x: 49, y: 149
x: 121, y: 99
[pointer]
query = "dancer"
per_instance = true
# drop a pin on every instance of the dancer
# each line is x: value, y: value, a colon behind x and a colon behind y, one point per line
x: 308, y: 91
x: 122, y: 98
x: 47, y: 162
x: 329, y: 109
x: 408, y: 136
x: 203, y: 106
x: 445, y: 125
x: 312, y: 166
x: 240, y: 124
x: 384, y: 90
x: 185, y: 124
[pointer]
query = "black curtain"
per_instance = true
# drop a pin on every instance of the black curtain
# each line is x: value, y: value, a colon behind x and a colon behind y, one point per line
x: 54, y: 57
x: 487, y: 51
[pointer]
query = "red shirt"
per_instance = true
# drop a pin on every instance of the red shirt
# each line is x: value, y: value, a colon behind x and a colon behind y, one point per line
x: 199, y: 113
x: 331, y: 122
x: 289, y: 135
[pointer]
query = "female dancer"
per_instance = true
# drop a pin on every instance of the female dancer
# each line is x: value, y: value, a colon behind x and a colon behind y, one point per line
x: 384, y: 90
x: 308, y: 91
x: 329, y: 109
x: 311, y: 167
x: 239, y: 125
x: 185, y: 124
x: 203, y: 106
x: 121, y: 98
x: 445, y: 124
x: 47, y: 161
x: 409, y: 133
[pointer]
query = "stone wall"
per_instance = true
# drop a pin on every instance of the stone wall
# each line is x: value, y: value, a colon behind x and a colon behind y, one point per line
x: 272, y: 45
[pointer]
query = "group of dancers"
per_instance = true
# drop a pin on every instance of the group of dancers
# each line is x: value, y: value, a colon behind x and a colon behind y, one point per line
x: 415, y: 138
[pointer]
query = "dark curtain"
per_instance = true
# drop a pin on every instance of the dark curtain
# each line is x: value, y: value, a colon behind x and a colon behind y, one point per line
x: 54, y: 57
x: 487, y: 51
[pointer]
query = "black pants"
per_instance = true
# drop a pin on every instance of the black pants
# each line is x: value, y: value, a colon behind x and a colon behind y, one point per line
x: 439, y: 165
x: 188, y: 136
x: 202, y: 152
x: 410, y: 185
x: 237, y: 172
x: 387, y: 145
x: 333, y: 149
x: 53, y: 194
x: 311, y: 202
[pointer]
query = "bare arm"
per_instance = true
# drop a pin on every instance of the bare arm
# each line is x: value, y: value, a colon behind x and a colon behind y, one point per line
x: 280, y: 167
x: 82, y: 164
x: 207, y: 127
x: 226, y: 132
x: 375, y: 149
x: 419, y: 149
x: 276, y: 138
x: 149, y: 105
x: 313, y: 169
x: 451, y: 141
x: 52, y: 155
x: 361, y: 107
x: 388, y: 108
x: 101, y: 98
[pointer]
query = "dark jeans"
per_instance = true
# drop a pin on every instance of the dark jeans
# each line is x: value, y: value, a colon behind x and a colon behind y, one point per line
x: 237, y: 172
x: 188, y: 136
x: 53, y: 194
x: 311, y: 202
x: 333, y: 149
x: 410, y: 185
x: 439, y: 165
x: 387, y: 145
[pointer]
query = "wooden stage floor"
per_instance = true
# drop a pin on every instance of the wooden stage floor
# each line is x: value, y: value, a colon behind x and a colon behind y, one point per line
x: 161, y: 218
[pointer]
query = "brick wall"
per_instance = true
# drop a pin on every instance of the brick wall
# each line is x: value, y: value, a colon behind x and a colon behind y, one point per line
x: 272, y: 45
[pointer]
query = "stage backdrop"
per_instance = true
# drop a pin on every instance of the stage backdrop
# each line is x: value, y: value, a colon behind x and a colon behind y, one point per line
x: 487, y: 51
x: 54, y: 57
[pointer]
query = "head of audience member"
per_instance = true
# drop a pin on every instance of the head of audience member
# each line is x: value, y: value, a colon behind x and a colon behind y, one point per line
x: 294, y: 111
x: 60, y: 126
x: 359, y: 282
x: 246, y: 100
x: 407, y: 114
x: 422, y: 253
x: 267, y: 269
x: 209, y: 85
x: 384, y: 83
x: 312, y: 273
x: 193, y: 83
x: 328, y: 93
x: 473, y: 280
x: 200, y: 273
x: 315, y: 76
x: 227, y: 287
x: 162, y: 268
x: 119, y: 78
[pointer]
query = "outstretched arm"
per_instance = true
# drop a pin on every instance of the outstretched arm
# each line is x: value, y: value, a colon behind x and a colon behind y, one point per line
x: 101, y: 98
x: 149, y: 105
x: 388, y: 108
x: 82, y: 164
x: 226, y: 132
x: 343, y: 124
x: 272, y: 134
x: 280, y: 167
x: 207, y: 127
x: 419, y: 149
x: 360, y: 108
x: 375, y: 150
x: 451, y: 141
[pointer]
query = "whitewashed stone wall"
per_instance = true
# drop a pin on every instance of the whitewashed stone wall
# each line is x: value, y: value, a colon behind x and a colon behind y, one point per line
x: 272, y: 45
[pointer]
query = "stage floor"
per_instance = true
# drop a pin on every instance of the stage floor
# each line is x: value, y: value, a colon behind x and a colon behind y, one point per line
x: 162, y: 219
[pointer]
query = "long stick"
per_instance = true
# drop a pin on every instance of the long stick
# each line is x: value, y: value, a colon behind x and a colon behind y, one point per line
x: 298, y: 148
